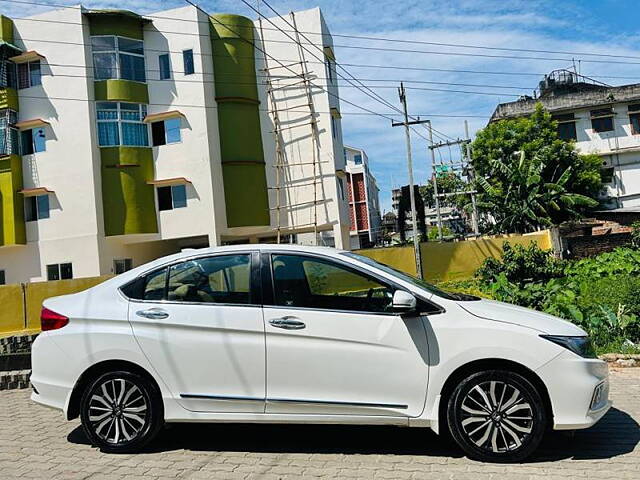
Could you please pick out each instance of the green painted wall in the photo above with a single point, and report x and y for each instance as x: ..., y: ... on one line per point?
x: 6, y: 29
x: 116, y: 22
x: 128, y: 201
x: 121, y: 91
x: 12, y: 227
x: 9, y: 98
x: 243, y: 167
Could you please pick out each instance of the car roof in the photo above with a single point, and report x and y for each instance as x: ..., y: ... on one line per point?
x: 261, y: 247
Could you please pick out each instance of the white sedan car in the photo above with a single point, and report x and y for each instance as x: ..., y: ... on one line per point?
x: 291, y: 334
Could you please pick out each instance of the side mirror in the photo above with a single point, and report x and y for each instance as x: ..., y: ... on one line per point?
x: 403, y: 302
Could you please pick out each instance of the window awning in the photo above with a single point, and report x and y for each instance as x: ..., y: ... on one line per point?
x: 32, y: 192
x: 33, y: 123
x: 169, y: 181
x: 30, y: 56
x: 158, y: 117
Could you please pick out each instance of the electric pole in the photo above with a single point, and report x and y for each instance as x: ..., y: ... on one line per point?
x: 412, y: 196
x: 471, y: 178
x: 434, y: 172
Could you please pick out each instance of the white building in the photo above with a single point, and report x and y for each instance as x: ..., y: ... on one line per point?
x: 167, y: 142
x: 601, y: 119
x: 364, y: 199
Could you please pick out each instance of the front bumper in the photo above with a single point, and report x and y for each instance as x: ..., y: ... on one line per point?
x: 572, y: 383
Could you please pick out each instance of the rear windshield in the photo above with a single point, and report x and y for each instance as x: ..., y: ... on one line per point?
x: 460, y: 297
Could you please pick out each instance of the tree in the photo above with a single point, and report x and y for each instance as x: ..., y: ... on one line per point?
x: 405, y: 206
x: 528, y: 178
x: 447, y: 182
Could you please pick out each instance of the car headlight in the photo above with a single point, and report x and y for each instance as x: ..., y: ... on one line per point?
x: 579, y: 345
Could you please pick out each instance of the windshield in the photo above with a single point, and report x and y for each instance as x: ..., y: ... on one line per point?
x: 411, y: 279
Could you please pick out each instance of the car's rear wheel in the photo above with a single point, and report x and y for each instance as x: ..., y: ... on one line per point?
x: 121, y: 411
x: 496, y: 416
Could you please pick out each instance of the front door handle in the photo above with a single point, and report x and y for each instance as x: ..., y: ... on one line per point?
x: 288, y: 323
x: 153, y: 314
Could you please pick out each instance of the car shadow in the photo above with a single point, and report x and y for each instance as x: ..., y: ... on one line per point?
x: 616, y: 434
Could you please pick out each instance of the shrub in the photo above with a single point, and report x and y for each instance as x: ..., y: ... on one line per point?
x: 521, y: 265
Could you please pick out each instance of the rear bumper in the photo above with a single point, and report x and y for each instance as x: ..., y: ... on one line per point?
x: 572, y: 383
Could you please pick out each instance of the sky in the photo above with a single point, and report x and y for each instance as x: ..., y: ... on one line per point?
x: 580, y: 28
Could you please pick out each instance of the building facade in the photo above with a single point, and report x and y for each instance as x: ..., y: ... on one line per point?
x: 124, y: 138
x: 601, y: 119
x: 364, y: 199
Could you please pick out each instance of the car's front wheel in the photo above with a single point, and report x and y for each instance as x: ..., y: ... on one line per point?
x: 121, y: 411
x: 496, y: 416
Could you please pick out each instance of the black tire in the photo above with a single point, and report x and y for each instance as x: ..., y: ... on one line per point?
x: 121, y: 411
x: 504, y: 423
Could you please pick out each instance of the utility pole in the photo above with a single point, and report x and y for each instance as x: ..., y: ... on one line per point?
x: 471, y: 177
x: 412, y: 197
x: 435, y: 182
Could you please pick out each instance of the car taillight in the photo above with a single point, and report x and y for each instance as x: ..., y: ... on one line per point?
x: 50, y: 320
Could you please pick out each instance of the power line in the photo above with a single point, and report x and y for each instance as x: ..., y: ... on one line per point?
x: 368, y: 37
x: 360, y: 47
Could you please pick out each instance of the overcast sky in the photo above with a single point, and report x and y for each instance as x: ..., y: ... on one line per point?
x: 579, y: 27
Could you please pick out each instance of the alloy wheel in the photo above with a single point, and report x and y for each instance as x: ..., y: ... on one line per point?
x: 496, y: 416
x: 117, y: 411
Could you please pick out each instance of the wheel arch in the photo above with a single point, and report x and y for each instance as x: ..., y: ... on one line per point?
x: 489, y: 364
x: 93, y: 372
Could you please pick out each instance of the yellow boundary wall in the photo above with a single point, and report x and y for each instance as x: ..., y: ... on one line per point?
x: 20, y: 304
x: 453, y: 260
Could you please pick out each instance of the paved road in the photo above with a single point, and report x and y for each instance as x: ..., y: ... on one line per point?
x: 35, y: 442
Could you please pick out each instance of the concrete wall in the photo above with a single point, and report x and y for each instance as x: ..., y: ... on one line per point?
x: 452, y: 260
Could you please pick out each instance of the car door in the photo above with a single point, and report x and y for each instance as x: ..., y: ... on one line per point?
x: 333, y: 345
x: 199, y: 322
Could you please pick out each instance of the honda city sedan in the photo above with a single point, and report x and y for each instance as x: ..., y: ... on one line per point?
x: 293, y: 334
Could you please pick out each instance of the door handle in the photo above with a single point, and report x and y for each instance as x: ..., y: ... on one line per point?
x: 288, y: 323
x: 153, y: 314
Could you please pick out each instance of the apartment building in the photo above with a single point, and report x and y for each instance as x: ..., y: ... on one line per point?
x: 364, y: 201
x: 124, y: 138
x: 601, y: 119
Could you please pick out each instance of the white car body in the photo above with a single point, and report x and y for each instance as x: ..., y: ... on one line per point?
x: 227, y: 363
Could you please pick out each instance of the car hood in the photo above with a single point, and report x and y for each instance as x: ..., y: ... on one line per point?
x: 525, y: 317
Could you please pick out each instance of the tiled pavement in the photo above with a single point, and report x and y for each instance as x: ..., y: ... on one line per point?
x: 35, y: 442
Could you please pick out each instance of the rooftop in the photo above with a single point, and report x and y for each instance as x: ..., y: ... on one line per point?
x: 565, y: 90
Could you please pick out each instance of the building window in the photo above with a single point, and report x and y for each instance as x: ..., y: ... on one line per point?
x: 165, y: 68
x: 33, y: 141
x: 8, y: 74
x: 174, y: 196
x: 602, y: 120
x: 167, y: 131
x: 607, y: 174
x: 59, y: 271
x: 118, y: 57
x: 187, y: 57
x: 36, y: 208
x: 122, y: 265
x: 330, y: 70
x: 634, y: 118
x: 121, y: 124
x: 357, y: 159
x: 334, y: 127
x: 341, y: 188
x: 3, y: 279
x: 8, y: 133
x: 566, y: 126
x: 29, y: 74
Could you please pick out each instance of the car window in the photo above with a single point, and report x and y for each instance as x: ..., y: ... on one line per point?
x: 154, y: 285
x: 219, y: 279
x: 461, y: 297
x: 309, y: 282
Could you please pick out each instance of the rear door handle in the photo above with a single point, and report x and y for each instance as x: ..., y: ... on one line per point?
x: 153, y: 314
x: 288, y: 323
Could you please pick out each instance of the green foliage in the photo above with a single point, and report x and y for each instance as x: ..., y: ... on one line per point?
x: 528, y: 177
x: 432, y: 233
x: 447, y: 182
x: 635, y: 235
x: 600, y: 294
x: 521, y: 265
